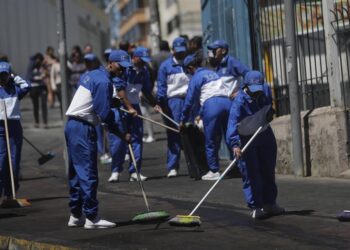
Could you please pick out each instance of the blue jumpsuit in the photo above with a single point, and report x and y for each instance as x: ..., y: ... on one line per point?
x: 90, y: 106
x: 14, y: 91
x: 258, y: 162
x: 207, y: 88
x: 172, y: 87
x: 136, y: 81
x: 230, y: 69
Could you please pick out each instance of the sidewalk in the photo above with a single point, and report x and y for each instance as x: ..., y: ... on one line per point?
x: 311, y: 203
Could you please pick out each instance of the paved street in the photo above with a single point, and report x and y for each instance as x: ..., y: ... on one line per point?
x: 311, y: 204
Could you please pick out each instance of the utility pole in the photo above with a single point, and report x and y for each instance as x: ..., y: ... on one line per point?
x: 62, y: 51
x: 292, y: 78
x: 154, y: 16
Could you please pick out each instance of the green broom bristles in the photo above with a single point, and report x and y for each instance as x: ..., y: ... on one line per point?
x: 185, y: 221
x: 150, y: 216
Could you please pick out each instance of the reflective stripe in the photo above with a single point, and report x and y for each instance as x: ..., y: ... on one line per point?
x: 213, y: 88
x: 177, y: 84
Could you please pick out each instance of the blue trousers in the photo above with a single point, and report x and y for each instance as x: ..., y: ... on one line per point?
x: 257, y: 167
x: 214, y: 114
x: 118, y: 147
x: 81, y: 142
x: 16, y: 137
x: 99, y: 131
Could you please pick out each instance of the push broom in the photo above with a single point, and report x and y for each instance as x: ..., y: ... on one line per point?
x: 190, y: 220
x: 149, y: 216
x: 44, y: 157
x: 12, y: 202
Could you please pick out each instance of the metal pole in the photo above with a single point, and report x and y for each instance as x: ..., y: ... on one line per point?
x: 62, y: 51
x: 154, y: 19
x: 292, y: 78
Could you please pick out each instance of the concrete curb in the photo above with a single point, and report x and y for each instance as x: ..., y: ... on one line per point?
x: 11, y: 243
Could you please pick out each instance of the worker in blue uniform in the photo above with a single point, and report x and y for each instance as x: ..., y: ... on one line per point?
x: 257, y: 164
x: 12, y: 90
x: 91, y: 105
x: 172, y: 87
x: 207, y: 89
x: 137, y: 80
x: 230, y: 69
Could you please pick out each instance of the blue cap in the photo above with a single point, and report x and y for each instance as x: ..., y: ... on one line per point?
x: 179, y: 45
x: 90, y: 57
x: 218, y: 44
x: 5, y: 67
x: 143, y: 53
x: 189, y: 59
x: 254, y: 80
x: 121, y: 57
x: 107, y: 51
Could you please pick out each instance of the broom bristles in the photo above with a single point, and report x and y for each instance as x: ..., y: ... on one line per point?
x: 185, y: 221
x: 15, y: 203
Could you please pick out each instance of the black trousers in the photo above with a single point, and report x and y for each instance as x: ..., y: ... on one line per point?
x: 39, y: 94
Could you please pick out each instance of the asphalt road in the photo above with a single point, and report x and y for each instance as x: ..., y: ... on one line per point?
x: 310, y: 221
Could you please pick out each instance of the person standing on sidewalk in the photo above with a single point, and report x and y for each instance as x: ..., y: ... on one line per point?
x: 91, y: 105
x: 12, y: 90
x: 172, y: 87
x: 207, y: 89
x: 257, y: 164
x: 137, y: 81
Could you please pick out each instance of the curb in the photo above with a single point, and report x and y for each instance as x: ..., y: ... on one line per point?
x: 11, y: 243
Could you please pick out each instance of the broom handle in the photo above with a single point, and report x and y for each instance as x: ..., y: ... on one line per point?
x: 138, y: 177
x: 168, y: 117
x: 9, y: 152
x: 35, y: 148
x: 226, y: 170
x: 150, y: 120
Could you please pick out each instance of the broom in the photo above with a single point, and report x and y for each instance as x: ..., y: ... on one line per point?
x: 148, y: 216
x: 44, y: 157
x: 190, y: 220
x: 12, y: 202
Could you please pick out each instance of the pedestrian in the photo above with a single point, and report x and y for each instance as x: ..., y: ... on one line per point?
x: 38, y: 93
x: 195, y: 45
x: 137, y: 80
x: 12, y: 90
x: 55, y: 81
x: 230, y: 69
x: 49, y: 59
x: 76, y: 68
x: 172, y: 87
x: 91, y: 104
x: 257, y: 164
x: 207, y: 89
x: 88, y: 49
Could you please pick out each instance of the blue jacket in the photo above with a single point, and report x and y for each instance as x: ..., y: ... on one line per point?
x: 204, y: 84
x: 243, y: 106
x: 172, y: 81
x: 92, y: 100
x: 12, y: 93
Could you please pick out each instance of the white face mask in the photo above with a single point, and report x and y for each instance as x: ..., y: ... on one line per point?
x: 210, y: 53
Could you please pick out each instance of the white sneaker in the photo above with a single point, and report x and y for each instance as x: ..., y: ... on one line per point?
x: 149, y: 139
x: 172, y: 173
x: 258, y: 213
x: 76, y: 222
x: 274, y: 209
x: 127, y: 157
x: 133, y: 177
x: 98, y: 223
x: 114, y: 177
x: 211, y: 176
x: 105, y: 159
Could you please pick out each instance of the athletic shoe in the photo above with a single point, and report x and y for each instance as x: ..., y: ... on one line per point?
x: 172, y: 173
x: 114, y: 177
x: 211, y: 176
x: 149, y: 139
x: 258, y: 214
x: 76, y: 222
x: 133, y: 177
x: 105, y: 159
x: 98, y: 224
x: 274, y: 209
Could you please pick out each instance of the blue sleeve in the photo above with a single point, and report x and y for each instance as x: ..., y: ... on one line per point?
x: 119, y: 83
x: 101, y: 101
x: 22, y: 86
x: 232, y: 136
x: 239, y: 68
x: 191, y: 99
x: 162, y: 87
x: 147, y: 86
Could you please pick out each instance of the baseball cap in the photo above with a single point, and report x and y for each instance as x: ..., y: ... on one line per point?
x: 5, y: 67
x: 90, y: 57
x: 254, y: 80
x: 121, y: 57
x: 107, y: 51
x: 143, y: 53
x: 218, y: 44
x: 179, y: 44
x: 188, y: 60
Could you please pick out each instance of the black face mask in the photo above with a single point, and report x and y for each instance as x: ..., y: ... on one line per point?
x: 4, y: 78
x: 213, y: 62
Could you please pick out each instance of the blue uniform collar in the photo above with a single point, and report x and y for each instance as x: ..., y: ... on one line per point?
x: 175, y: 62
